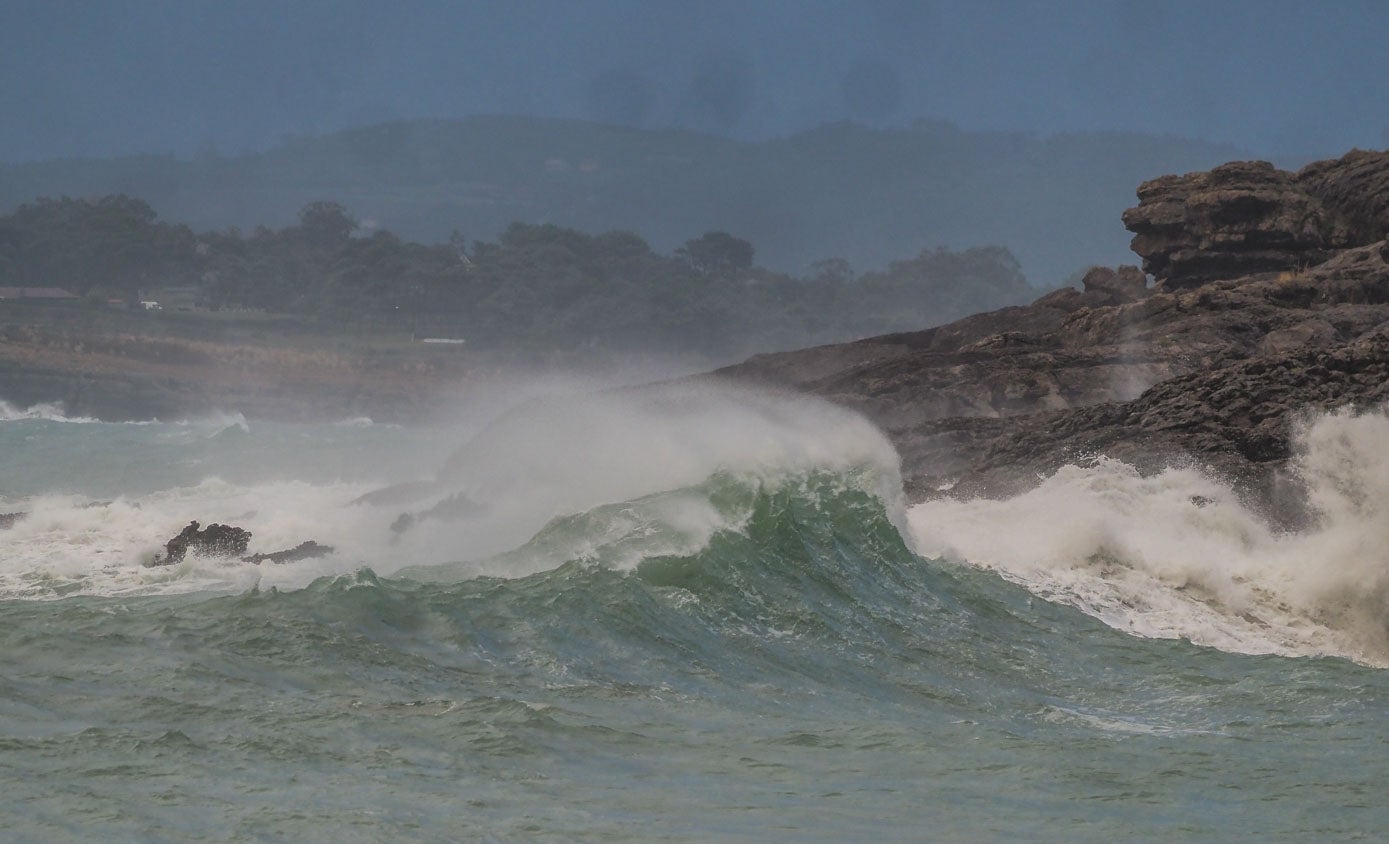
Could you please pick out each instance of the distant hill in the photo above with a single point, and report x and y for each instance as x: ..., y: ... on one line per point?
x: 842, y: 190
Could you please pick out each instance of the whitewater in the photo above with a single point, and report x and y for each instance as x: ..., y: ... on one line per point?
x: 682, y: 613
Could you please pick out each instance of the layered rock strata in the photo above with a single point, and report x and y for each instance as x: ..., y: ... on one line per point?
x: 1271, y: 301
x: 1249, y: 217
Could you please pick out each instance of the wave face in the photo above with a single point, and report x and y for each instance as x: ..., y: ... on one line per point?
x: 749, y: 643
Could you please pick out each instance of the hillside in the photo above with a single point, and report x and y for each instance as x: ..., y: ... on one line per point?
x: 842, y: 190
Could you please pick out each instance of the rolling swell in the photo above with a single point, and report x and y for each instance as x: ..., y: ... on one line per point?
x: 800, y: 670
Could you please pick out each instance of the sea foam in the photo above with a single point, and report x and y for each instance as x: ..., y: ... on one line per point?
x: 1178, y: 554
x: 50, y: 412
x: 624, y: 468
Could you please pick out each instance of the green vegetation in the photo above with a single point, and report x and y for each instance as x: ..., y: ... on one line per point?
x: 867, y: 195
x: 538, y: 291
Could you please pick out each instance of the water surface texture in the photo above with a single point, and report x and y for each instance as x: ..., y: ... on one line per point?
x: 693, y: 617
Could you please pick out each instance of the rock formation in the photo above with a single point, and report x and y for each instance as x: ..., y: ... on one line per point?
x: 226, y: 541
x: 211, y: 541
x: 1248, y: 217
x: 303, y: 551
x: 1272, y: 300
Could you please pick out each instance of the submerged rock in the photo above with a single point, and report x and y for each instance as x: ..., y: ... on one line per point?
x: 303, y: 551
x: 8, y: 520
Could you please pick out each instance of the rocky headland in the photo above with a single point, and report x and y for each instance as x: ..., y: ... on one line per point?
x: 1269, y: 301
x: 1263, y: 297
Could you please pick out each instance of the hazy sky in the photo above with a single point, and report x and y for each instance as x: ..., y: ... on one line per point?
x: 1278, y: 77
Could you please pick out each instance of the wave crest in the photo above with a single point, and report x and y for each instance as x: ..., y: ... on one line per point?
x: 48, y: 412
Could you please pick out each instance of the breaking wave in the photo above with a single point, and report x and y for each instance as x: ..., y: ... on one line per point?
x: 1178, y: 555
x: 49, y: 412
x: 621, y: 479
x: 616, y: 478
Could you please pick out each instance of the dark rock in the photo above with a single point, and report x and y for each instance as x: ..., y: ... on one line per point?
x: 212, y: 541
x: 1115, y: 287
x: 1355, y: 188
x: 1241, y: 218
x: 1273, y: 301
x: 1248, y: 217
x: 227, y: 541
x: 8, y: 520
x: 303, y: 551
x: 450, y: 509
x: 402, y: 523
x: 402, y: 493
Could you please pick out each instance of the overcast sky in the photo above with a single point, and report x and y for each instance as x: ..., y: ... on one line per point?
x: 1290, y: 78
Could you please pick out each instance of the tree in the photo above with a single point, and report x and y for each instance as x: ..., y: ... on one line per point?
x: 716, y: 253
x: 831, y: 271
x: 114, y: 242
x: 326, y: 224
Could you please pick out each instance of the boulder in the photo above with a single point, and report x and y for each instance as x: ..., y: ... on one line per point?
x: 1115, y: 287
x: 226, y: 541
x: 212, y: 541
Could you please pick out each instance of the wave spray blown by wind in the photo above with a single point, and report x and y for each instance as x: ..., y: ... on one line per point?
x: 1179, y: 555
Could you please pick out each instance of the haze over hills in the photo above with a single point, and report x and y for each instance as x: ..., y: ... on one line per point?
x: 841, y: 190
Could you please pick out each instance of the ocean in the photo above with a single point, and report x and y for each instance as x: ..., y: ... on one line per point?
x: 680, y: 614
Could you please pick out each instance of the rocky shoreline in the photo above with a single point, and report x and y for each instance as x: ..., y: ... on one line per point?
x: 1270, y: 302
x: 131, y: 367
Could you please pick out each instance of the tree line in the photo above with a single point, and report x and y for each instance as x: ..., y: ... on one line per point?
x: 535, y: 290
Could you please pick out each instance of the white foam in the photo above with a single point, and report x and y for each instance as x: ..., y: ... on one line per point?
x: 568, y: 455
x: 50, y: 412
x: 68, y: 544
x: 1178, y: 555
x: 552, y: 458
x: 359, y: 422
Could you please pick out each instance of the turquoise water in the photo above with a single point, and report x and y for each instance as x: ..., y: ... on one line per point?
x: 756, y: 655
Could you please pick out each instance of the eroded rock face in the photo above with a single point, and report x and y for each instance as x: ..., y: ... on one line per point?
x: 1355, y: 187
x: 1248, y: 217
x: 1241, y: 218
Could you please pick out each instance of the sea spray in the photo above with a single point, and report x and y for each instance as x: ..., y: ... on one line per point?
x: 623, y: 468
x: 560, y: 456
x: 1177, y: 554
x: 53, y: 412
